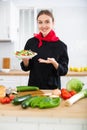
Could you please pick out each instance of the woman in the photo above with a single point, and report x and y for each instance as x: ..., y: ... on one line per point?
x: 51, y: 60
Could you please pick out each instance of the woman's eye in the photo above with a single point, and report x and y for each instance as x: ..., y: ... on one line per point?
x: 39, y: 22
x: 47, y: 21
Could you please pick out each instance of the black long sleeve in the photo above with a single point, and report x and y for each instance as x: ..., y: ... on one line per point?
x: 45, y: 76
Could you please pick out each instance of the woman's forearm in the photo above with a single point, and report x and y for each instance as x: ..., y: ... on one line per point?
x: 55, y: 64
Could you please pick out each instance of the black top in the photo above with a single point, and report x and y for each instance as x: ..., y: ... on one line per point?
x: 45, y: 76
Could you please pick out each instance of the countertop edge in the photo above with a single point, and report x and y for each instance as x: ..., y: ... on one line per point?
x: 26, y: 73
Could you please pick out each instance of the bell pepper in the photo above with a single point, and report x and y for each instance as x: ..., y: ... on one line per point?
x: 48, y: 102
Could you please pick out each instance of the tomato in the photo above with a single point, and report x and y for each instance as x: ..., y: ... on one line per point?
x: 0, y: 99
x: 11, y: 97
x: 65, y: 94
x: 17, y: 52
x: 72, y: 92
x: 5, y: 100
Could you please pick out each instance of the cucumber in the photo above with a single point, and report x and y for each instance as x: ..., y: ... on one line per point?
x: 26, y: 88
x: 19, y: 99
x: 26, y: 103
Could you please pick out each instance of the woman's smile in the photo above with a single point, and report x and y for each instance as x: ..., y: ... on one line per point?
x: 45, y: 24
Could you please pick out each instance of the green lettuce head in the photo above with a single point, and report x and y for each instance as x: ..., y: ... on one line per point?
x: 74, y: 84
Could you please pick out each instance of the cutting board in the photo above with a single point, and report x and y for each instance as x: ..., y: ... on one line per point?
x: 33, y: 93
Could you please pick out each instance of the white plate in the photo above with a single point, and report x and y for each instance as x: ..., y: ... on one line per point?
x: 24, y: 57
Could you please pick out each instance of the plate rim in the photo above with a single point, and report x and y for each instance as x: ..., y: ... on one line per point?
x: 21, y: 57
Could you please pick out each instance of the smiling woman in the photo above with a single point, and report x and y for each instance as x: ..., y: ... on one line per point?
x: 51, y: 60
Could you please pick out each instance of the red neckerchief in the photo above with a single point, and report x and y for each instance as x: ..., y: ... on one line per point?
x: 50, y: 37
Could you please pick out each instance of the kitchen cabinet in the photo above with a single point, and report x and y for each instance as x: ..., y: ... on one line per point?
x: 24, y: 80
x: 8, y: 23
x: 9, y: 81
x: 13, y: 81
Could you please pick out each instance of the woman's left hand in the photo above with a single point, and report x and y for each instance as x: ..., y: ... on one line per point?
x: 49, y: 61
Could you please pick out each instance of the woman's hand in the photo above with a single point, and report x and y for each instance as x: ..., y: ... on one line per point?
x: 25, y: 61
x: 49, y: 61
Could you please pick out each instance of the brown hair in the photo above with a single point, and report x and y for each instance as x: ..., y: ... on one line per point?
x: 46, y: 12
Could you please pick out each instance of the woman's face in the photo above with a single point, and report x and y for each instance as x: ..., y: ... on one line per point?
x: 45, y: 24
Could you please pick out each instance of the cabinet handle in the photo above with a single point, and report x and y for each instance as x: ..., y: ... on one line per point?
x: 8, y: 31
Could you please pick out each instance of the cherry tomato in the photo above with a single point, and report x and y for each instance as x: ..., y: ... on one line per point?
x: 65, y: 94
x: 5, y: 100
x: 11, y: 97
x: 17, y: 52
x: 72, y: 92
x: 0, y: 99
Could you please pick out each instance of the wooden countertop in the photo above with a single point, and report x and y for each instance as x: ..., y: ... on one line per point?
x: 23, y: 73
x: 15, y: 73
x: 77, y: 110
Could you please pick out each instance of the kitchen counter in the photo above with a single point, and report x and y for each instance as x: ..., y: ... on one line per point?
x: 15, y: 73
x: 23, y: 73
x: 61, y: 117
x: 77, y: 110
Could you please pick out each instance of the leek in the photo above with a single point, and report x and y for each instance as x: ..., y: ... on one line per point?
x: 76, y: 97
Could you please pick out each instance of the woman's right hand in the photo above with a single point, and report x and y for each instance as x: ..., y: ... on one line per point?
x: 25, y: 61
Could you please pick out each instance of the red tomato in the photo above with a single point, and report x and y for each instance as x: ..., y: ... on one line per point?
x: 8, y: 100
x: 17, y: 52
x: 5, y: 100
x: 11, y: 97
x: 65, y: 94
x: 72, y: 92
x: 0, y: 99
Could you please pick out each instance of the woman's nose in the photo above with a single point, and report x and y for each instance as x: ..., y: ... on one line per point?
x: 44, y: 25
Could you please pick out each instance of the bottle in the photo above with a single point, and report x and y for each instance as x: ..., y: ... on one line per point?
x: 6, y: 63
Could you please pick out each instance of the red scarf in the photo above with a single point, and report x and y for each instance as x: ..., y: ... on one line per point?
x: 50, y: 37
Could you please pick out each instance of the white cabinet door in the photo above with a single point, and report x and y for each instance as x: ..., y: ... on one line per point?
x: 24, y: 80
x: 8, y: 21
x: 13, y: 81
x: 10, y: 81
x: 4, y: 20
